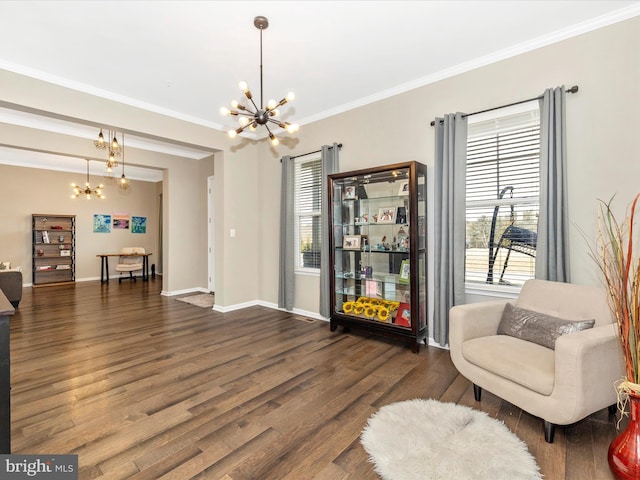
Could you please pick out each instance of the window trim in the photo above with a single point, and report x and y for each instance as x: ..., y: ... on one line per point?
x: 498, y: 290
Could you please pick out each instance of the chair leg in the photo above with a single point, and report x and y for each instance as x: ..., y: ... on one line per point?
x: 549, y: 430
x: 477, y: 392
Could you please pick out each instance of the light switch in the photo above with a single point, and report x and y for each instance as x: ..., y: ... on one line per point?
x: 232, y: 232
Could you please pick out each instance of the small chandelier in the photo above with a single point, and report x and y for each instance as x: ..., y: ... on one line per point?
x: 113, y: 148
x: 252, y: 117
x: 87, y: 190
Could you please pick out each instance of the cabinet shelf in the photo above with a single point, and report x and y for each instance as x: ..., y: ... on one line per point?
x: 378, y: 251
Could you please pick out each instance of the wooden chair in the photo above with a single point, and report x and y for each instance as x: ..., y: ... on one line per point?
x: 130, y: 262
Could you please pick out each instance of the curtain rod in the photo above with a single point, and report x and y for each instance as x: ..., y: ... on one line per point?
x: 310, y: 153
x: 573, y: 89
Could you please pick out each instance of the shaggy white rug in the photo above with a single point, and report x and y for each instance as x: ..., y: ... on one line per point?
x: 204, y: 300
x: 431, y: 440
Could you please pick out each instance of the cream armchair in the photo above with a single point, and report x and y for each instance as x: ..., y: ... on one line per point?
x: 561, y: 386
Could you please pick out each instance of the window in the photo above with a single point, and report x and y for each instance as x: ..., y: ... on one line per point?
x: 307, y: 208
x: 503, y: 190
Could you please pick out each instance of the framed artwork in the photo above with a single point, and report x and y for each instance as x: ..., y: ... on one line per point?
x: 403, y: 317
x: 350, y: 192
x: 121, y: 220
x: 101, y: 223
x: 351, y: 242
x: 404, y: 188
x: 387, y: 215
x: 138, y: 224
x: 404, y: 275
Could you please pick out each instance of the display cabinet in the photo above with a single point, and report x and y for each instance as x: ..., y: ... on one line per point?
x: 379, y: 251
x: 53, y: 249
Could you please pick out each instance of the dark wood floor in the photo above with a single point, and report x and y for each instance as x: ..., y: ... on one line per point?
x: 142, y: 386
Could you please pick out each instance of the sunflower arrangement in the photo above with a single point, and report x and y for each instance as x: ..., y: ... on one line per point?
x: 371, y: 308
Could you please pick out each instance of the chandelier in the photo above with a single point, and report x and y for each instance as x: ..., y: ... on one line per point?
x: 87, y: 190
x: 124, y: 184
x: 251, y: 116
x: 113, y: 148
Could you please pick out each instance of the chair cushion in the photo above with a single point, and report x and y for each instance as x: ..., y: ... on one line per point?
x: 128, y: 267
x: 538, y: 327
x: 526, y: 363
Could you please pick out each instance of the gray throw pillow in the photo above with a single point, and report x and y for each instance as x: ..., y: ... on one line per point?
x: 538, y: 327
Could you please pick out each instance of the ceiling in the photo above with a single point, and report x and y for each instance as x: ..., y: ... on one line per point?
x: 185, y: 58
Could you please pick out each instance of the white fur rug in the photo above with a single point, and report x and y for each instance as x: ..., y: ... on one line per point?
x: 431, y: 440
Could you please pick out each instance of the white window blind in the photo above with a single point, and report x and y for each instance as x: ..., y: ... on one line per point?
x: 502, y: 195
x: 307, y: 208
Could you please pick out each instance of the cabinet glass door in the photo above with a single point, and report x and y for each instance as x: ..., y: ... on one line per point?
x: 371, y: 233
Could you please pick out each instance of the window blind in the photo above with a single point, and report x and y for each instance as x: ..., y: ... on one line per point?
x: 307, y: 208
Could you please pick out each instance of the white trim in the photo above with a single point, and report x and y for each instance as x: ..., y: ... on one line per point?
x: 498, y: 291
x: 238, y: 306
x: 524, y: 47
x: 186, y: 290
x: 549, y: 39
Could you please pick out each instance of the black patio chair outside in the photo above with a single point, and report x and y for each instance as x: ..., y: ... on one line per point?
x: 513, y: 238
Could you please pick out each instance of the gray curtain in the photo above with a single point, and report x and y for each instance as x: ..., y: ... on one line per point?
x: 552, y: 252
x: 330, y: 164
x: 286, y: 284
x: 450, y: 222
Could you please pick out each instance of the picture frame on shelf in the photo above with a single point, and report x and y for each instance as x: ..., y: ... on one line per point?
x: 403, y: 317
x: 351, y: 242
x: 405, y: 271
x: 350, y: 192
x: 387, y: 215
x: 404, y: 188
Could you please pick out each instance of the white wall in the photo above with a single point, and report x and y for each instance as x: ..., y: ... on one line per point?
x: 603, y: 148
x: 184, y: 179
x: 602, y: 133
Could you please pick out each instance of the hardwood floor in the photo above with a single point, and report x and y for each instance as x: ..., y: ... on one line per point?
x: 142, y: 386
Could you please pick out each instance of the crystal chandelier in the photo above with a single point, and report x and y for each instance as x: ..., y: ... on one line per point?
x: 87, y: 190
x: 251, y: 116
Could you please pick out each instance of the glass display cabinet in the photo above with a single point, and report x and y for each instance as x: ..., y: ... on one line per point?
x: 379, y: 251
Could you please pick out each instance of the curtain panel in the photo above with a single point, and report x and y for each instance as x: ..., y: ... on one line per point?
x: 552, y: 253
x: 286, y: 283
x: 330, y: 164
x: 450, y: 219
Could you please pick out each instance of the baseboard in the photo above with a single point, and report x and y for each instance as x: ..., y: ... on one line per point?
x: 182, y: 292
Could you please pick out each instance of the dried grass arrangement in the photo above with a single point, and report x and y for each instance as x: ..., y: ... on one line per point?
x: 618, y: 258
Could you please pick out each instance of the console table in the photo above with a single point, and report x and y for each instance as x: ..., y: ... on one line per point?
x: 6, y: 309
x: 104, y: 267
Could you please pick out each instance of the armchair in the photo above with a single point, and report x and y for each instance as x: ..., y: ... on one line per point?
x: 561, y: 385
x: 130, y: 261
